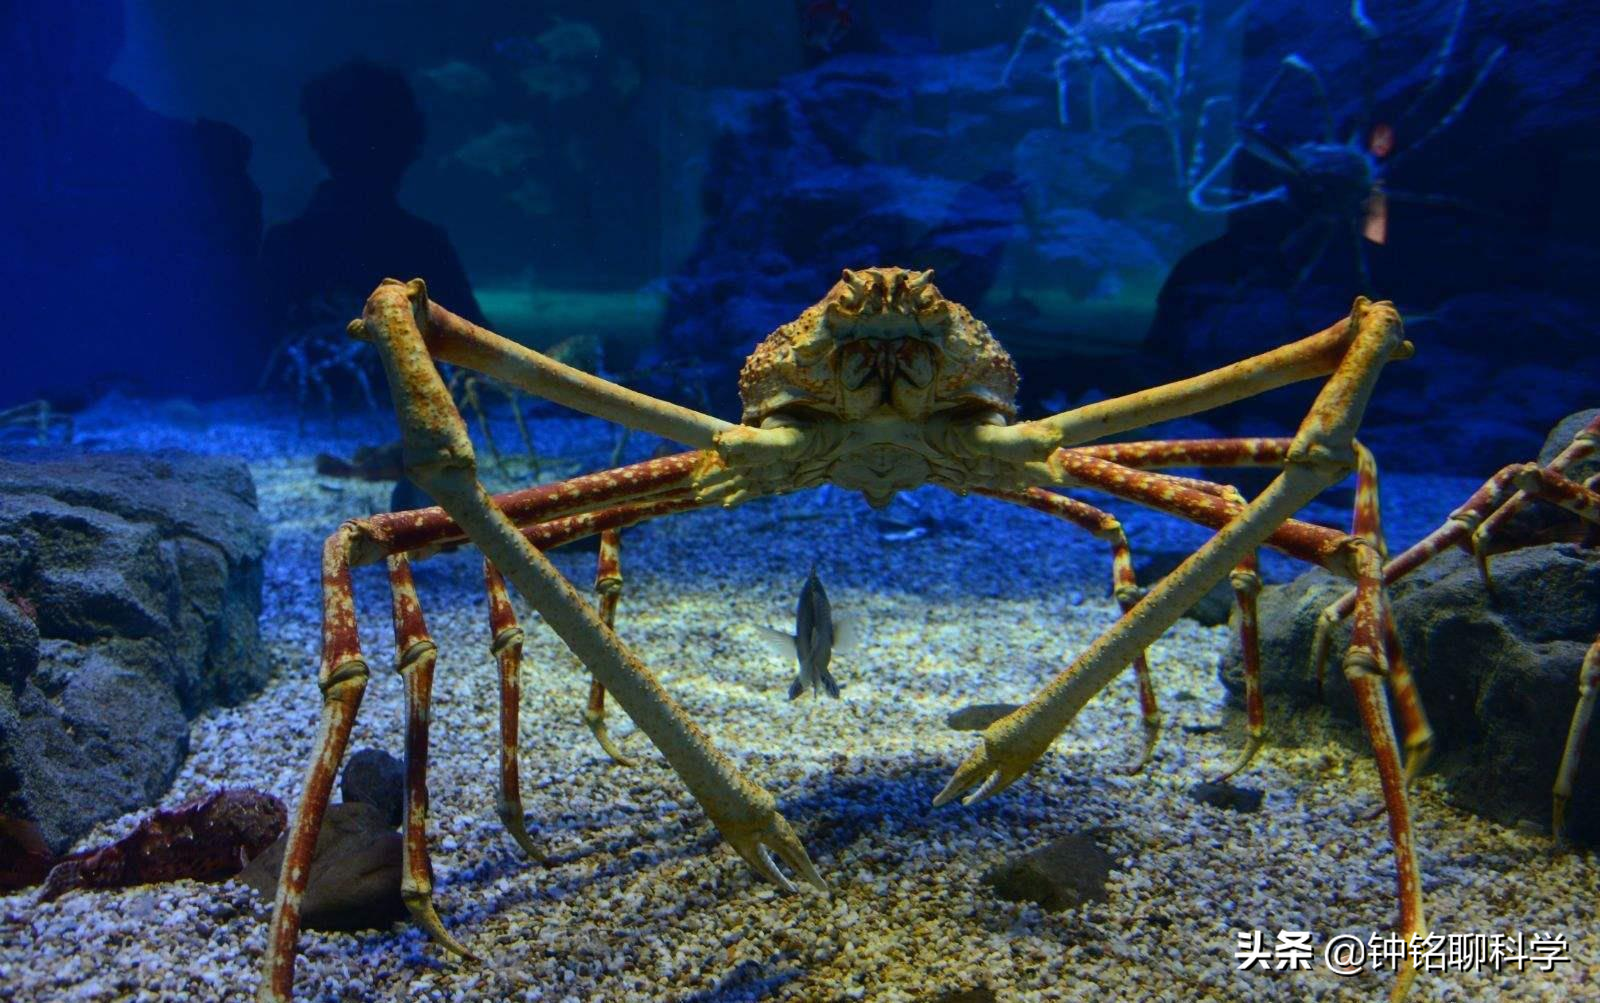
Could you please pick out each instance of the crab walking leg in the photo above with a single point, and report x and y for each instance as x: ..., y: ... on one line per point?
x: 1322, y: 353
x: 342, y: 678
x: 608, y: 585
x: 1366, y: 524
x: 1456, y: 528
x: 456, y: 340
x: 1015, y: 742
x: 1365, y: 665
x: 439, y: 457
x: 1124, y: 586
x: 1584, y: 443
x: 1576, y: 498
x: 1585, y: 501
x: 507, y: 648
x: 1245, y: 580
x: 1158, y: 453
x: 1246, y: 583
x: 1320, y: 455
x: 639, y: 484
x: 415, y: 654
x: 1418, y: 734
x: 1588, y: 687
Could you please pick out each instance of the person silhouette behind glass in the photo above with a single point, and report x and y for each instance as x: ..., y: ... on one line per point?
x: 364, y: 124
x: 129, y: 239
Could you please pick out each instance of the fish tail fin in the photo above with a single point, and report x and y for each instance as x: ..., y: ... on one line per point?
x: 798, y: 686
x: 829, y: 684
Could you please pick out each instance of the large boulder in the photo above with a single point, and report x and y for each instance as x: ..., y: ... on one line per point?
x: 1497, y: 670
x: 130, y: 586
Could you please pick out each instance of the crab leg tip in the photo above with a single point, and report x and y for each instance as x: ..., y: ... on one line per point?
x: 1252, y: 746
x: 422, y: 911
x: 597, y: 726
x: 951, y: 790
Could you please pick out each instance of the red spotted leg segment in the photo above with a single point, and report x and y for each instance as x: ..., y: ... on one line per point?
x: 415, y: 655
x: 342, y: 677
x: 506, y: 645
x: 608, y: 588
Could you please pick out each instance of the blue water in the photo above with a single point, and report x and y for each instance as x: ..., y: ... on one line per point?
x: 197, y: 198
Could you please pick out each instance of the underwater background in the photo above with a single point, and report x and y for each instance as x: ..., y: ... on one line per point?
x: 196, y: 198
x: 1125, y: 193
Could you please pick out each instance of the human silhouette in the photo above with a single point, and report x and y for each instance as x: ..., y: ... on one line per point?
x: 128, y: 239
x: 363, y: 121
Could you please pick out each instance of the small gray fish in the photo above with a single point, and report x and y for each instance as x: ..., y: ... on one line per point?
x: 817, y: 635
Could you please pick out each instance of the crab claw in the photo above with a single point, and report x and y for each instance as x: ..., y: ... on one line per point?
x: 756, y: 845
x: 988, y: 764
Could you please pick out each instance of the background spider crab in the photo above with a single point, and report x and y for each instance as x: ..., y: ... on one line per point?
x: 882, y: 386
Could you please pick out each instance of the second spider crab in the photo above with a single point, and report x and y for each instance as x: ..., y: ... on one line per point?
x: 882, y: 386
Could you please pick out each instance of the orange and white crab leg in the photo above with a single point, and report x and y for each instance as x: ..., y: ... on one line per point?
x: 415, y: 654
x: 1584, y: 443
x: 1124, y: 586
x: 608, y: 586
x: 1418, y: 734
x: 506, y: 644
x: 343, y: 672
x: 1317, y: 355
x: 1365, y: 666
x: 1319, y: 456
x: 451, y: 338
x: 342, y: 677
x: 1577, y: 731
x: 439, y: 457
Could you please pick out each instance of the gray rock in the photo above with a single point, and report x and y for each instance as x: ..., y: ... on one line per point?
x: 131, y: 587
x: 354, y: 883
x: 1497, y: 671
x: 1059, y: 875
x: 374, y: 777
x: 1227, y: 796
x: 19, y: 641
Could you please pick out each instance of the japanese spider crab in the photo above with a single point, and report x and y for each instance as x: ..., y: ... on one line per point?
x: 882, y: 386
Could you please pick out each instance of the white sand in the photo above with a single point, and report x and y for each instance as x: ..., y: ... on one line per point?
x: 644, y: 902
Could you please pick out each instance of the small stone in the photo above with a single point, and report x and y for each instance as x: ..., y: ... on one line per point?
x: 1060, y: 875
x: 978, y: 716
x: 979, y: 994
x: 355, y: 872
x: 374, y: 777
x: 1244, y: 799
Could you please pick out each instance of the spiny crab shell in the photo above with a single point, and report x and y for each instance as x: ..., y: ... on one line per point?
x: 884, y: 341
